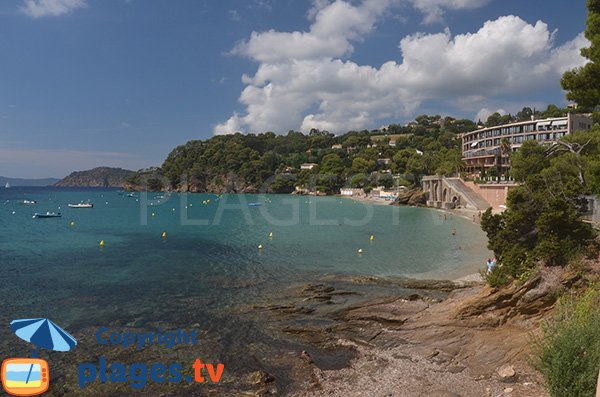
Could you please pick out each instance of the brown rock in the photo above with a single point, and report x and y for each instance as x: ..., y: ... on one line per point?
x: 456, y: 369
x: 306, y: 357
x: 261, y: 377
x: 414, y: 197
x: 507, y: 373
x: 443, y: 393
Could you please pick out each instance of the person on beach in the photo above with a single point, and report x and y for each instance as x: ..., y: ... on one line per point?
x: 490, y: 265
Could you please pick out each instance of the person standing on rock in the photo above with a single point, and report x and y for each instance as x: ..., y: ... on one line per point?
x: 490, y: 265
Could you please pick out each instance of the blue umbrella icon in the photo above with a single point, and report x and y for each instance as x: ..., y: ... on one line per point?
x: 43, y: 333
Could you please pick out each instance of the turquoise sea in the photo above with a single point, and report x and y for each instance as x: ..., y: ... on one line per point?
x: 209, y: 264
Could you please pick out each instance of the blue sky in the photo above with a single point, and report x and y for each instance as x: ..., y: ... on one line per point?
x: 85, y: 83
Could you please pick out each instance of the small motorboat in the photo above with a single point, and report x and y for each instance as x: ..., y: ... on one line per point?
x: 29, y: 202
x: 131, y: 195
x: 81, y: 205
x: 47, y: 215
x: 254, y: 204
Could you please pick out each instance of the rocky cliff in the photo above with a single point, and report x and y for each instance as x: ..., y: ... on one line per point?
x: 413, y: 197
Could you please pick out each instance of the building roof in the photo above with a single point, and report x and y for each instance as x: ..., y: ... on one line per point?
x: 544, y: 122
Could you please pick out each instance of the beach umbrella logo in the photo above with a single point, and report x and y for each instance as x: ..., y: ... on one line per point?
x: 43, y: 333
x: 31, y: 376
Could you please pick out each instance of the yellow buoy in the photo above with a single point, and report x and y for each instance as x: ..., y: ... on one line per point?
x: 153, y: 214
x: 260, y: 246
x: 72, y: 224
x: 164, y: 235
x: 101, y: 243
x: 271, y: 235
x: 372, y: 237
x: 360, y: 251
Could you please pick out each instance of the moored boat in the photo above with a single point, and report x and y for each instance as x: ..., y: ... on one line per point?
x: 47, y: 215
x: 81, y: 205
x: 29, y: 202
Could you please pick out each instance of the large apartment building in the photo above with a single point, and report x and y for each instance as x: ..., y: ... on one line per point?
x: 482, y: 148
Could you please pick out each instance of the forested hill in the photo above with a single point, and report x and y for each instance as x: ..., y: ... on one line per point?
x: 97, y: 177
x: 244, y: 163
x: 273, y: 163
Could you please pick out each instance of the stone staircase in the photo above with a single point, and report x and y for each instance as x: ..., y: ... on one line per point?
x: 473, y: 200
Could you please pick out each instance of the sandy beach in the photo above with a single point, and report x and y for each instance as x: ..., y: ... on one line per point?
x: 370, y: 200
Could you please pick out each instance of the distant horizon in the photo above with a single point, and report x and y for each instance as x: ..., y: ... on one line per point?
x: 3, y: 177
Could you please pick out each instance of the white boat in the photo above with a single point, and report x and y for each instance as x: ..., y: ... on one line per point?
x: 29, y: 202
x: 7, y: 185
x: 81, y: 205
x: 47, y: 215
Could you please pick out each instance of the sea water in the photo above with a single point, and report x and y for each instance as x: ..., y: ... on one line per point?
x: 209, y: 262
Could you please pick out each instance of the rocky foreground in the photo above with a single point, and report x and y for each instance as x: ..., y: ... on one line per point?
x: 443, y: 339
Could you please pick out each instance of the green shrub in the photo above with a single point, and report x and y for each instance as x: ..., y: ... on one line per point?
x: 568, y: 355
x: 496, y: 278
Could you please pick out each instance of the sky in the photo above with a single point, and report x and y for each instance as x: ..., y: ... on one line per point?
x: 86, y: 83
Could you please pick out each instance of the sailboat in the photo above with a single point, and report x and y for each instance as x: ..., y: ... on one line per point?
x: 7, y: 185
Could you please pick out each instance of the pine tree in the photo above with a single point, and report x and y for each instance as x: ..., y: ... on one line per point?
x: 583, y: 83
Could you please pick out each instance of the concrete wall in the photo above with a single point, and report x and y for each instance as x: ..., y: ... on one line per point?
x: 494, y: 194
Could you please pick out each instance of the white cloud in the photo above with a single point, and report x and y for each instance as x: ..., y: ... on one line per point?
x: 484, y: 113
x: 334, y: 26
x: 264, y: 4
x: 46, y: 8
x: 231, y: 126
x: 301, y: 82
x: 434, y: 9
x: 234, y: 15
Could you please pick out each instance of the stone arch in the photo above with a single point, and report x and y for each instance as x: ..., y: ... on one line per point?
x: 445, y: 195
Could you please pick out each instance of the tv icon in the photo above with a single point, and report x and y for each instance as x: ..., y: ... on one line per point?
x: 25, y: 376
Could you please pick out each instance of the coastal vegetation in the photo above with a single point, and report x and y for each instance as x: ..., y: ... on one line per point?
x: 569, y: 354
x: 543, y: 223
x: 543, y: 227
x: 581, y: 83
x: 389, y: 156
x: 96, y: 177
x: 273, y: 163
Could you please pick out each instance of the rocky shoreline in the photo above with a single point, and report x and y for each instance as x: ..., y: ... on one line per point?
x: 433, y: 338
